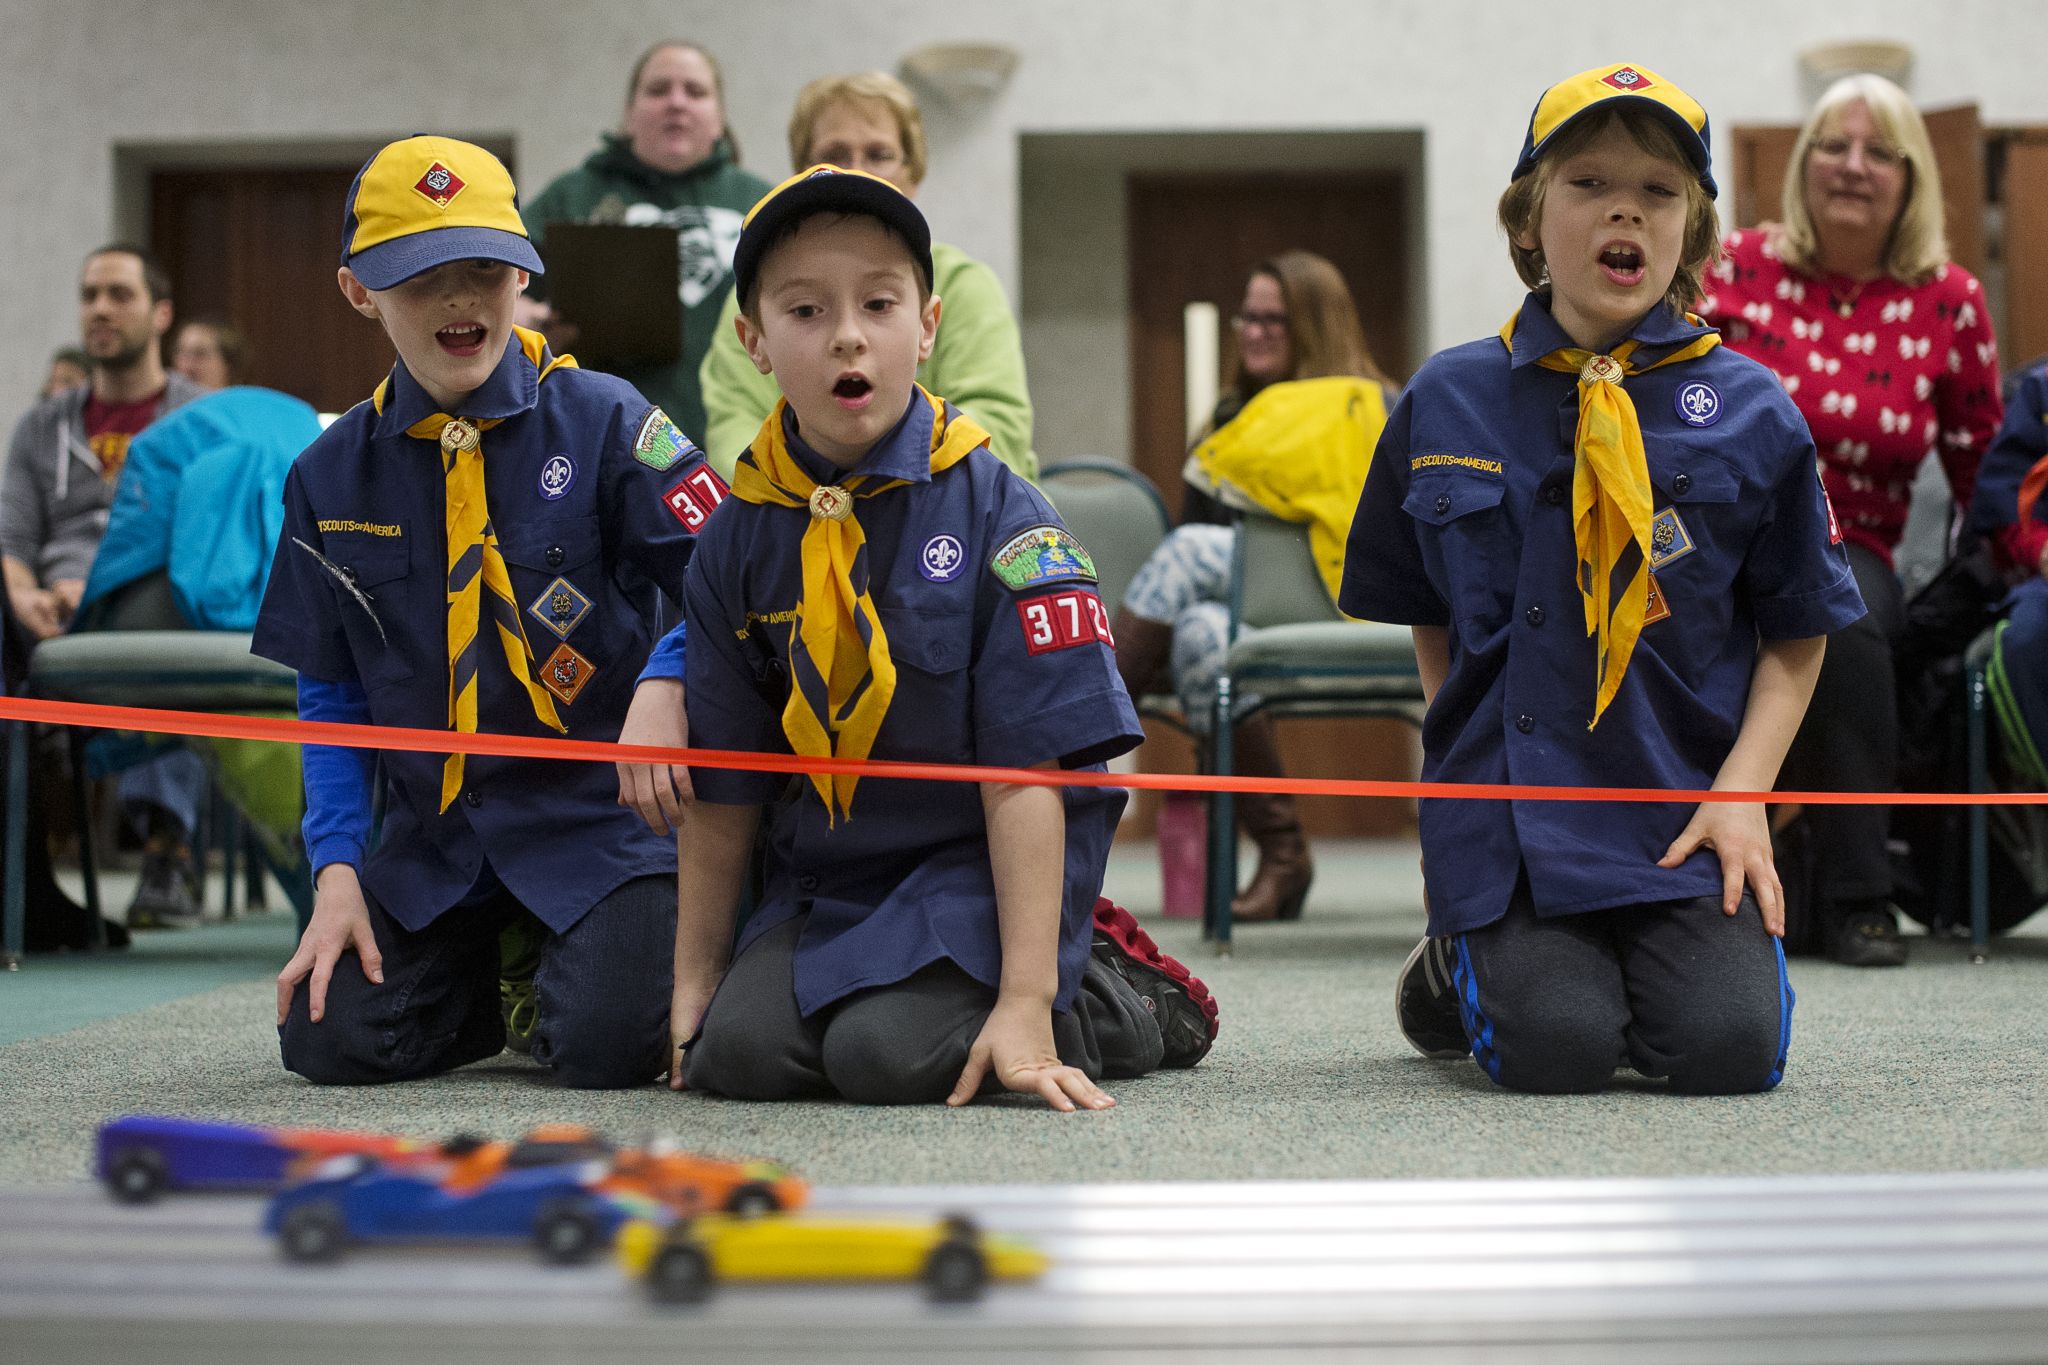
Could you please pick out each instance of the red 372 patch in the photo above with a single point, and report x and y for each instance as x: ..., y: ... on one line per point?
x: 1063, y: 620
x: 693, y: 498
x: 1834, y: 525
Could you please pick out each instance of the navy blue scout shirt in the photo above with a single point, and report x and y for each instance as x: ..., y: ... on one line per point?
x: 984, y: 674
x: 1466, y: 522
x: 595, y: 498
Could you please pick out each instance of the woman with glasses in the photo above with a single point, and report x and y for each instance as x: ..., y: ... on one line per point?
x: 1290, y: 437
x: 1886, y: 346
x: 869, y: 122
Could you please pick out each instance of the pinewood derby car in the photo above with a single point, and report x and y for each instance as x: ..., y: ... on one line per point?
x: 954, y: 1260
x: 141, y: 1157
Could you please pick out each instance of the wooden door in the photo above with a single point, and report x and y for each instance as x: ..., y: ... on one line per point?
x: 258, y: 247
x: 2025, y: 186
x: 1194, y: 238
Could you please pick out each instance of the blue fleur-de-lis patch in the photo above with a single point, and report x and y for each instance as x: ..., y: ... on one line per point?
x: 561, y: 607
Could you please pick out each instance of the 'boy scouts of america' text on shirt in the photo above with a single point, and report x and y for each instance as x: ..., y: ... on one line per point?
x: 595, y: 498
x: 1466, y: 522
x: 985, y: 673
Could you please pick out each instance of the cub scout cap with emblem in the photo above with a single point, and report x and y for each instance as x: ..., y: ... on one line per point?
x: 827, y: 189
x: 425, y: 201
x: 1609, y: 88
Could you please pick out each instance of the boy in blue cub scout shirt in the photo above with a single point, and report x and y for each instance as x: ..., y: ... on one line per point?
x: 879, y: 585
x: 1610, y: 538
x: 479, y: 547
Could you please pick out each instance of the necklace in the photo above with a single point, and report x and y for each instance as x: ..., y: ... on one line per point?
x: 1845, y: 300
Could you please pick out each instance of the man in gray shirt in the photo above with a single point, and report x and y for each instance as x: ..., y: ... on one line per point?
x: 56, y: 491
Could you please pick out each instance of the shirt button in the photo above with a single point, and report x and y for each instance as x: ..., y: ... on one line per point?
x: 1443, y: 503
x: 1681, y: 483
x: 807, y: 883
x: 555, y: 553
x: 473, y: 798
x: 1525, y: 723
x: 1553, y: 493
x: 1534, y: 616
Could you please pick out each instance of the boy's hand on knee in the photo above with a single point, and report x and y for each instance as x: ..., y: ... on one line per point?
x: 1017, y: 1044
x: 659, y: 792
x: 341, y: 921
x: 1740, y: 835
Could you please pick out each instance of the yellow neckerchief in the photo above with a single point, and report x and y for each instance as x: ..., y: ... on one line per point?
x: 837, y: 643
x: 1298, y: 450
x: 475, y: 563
x: 1611, y: 496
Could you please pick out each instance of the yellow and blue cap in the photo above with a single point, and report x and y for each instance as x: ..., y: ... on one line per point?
x: 827, y: 189
x: 425, y: 201
x: 1598, y: 91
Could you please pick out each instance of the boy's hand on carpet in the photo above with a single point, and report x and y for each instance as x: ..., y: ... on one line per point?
x: 341, y: 921
x: 1739, y: 832
x: 1016, y: 1043
x: 685, y: 1013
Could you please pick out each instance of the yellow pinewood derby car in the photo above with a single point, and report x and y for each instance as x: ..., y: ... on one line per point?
x: 955, y: 1260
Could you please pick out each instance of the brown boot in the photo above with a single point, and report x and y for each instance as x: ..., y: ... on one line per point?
x: 1142, y: 649
x: 1281, y: 884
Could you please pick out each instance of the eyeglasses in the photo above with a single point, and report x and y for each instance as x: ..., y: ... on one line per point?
x: 1879, y: 155
x: 1270, y: 322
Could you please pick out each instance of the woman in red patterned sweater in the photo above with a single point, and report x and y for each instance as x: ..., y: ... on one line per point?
x: 1886, y: 346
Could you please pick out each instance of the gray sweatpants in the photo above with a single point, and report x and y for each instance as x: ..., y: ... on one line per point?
x: 1676, y: 990
x: 904, y: 1043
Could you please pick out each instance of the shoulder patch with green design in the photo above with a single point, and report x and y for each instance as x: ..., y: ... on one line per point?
x: 661, y: 442
x: 1043, y: 554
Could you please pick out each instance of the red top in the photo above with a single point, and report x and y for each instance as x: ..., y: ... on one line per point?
x: 1883, y: 372
x: 110, y: 426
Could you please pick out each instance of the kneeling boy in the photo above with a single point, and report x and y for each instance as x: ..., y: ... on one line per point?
x: 879, y: 585
x: 477, y: 547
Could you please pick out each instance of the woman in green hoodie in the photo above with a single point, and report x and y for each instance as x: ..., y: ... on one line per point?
x: 671, y: 164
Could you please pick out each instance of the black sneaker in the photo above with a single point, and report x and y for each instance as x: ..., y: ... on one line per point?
x: 1182, y: 1005
x: 1426, y: 1003
x: 1867, y: 937
x: 168, y: 897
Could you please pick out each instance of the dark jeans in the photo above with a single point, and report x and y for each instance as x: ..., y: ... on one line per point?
x: 1848, y: 742
x: 904, y: 1043
x: 602, y: 992
x: 1676, y: 990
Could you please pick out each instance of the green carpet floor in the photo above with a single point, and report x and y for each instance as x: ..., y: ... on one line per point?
x: 1938, y: 1066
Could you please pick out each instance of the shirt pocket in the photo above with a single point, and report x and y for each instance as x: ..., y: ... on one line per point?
x: 568, y: 548
x: 377, y: 567
x: 1461, y: 509
x: 1700, y: 528
x: 928, y: 717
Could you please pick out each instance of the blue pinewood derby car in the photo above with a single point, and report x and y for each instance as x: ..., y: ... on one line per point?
x: 142, y: 1156
x: 562, y: 1210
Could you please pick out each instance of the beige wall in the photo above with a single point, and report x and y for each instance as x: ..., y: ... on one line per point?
x: 80, y: 80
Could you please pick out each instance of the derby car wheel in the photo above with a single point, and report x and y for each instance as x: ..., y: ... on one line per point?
x: 136, y: 1175
x: 566, y: 1233
x: 956, y: 1272
x: 752, y: 1198
x: 313, y: 1232
x: 681, y: 1274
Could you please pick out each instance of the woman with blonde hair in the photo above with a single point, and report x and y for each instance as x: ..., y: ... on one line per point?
x: 869, y: 121
x: 1290, y: 437
x: 1885, y: 345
